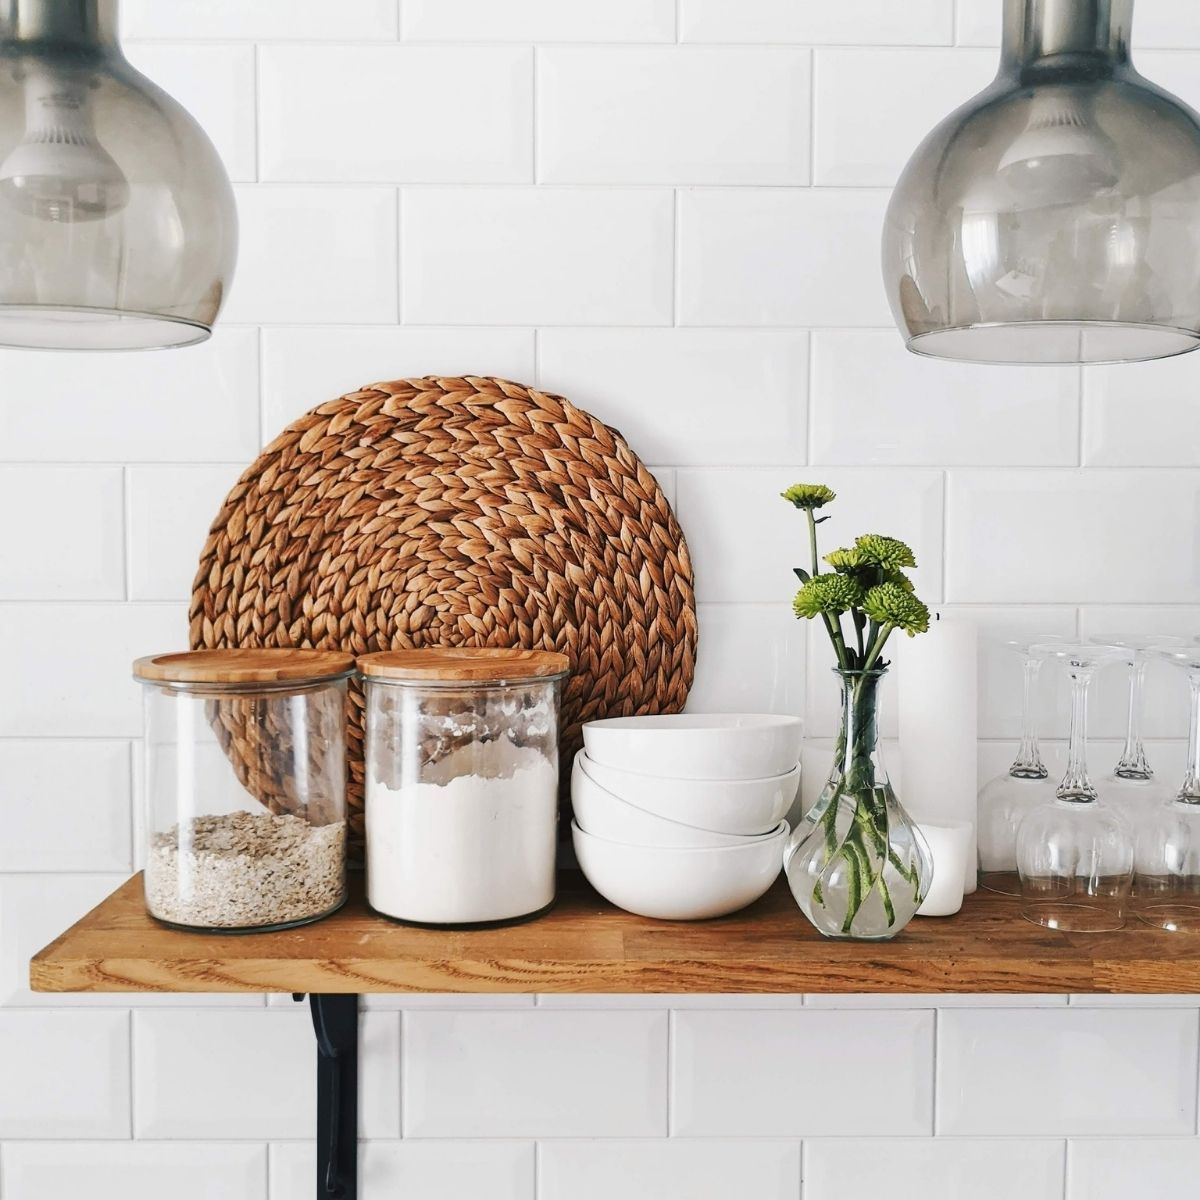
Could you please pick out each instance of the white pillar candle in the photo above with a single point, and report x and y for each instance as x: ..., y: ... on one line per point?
x: 938, y: 700
x: 951, y: 849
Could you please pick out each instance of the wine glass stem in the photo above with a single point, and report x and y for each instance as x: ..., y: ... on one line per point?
x: 1133, y: 764
x: 1190, y: 791
x: 1028, y: 763
x: 1075, y: 784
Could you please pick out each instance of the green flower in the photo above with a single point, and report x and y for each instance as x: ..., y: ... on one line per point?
x: 848, y: 560
x: 829, y: 595
x: 808, y: 495
x: 890, y: 604
x: 889, y: 553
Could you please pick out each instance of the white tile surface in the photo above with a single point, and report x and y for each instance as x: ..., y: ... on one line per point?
x: 918, y: 1000
x: 250, y: 1075
x: 667, y: 1001
x: 216, y: 85
x: 1077, y: 1072
x: 535, y: 1074
x: 883, y: 21
x: 284, y: 19
x: 933, y: 1169
x: 677, y: 1169
x: 93, y: 694
x: 538, y: 21
x: 65, y: 805
x: 66, y: 1075
x: 556, y: 256
x: 424, y: 1170
x: 729, y: 1076
x: 874, y: 402
x: 306, y: 366
x: 61, y: 532
x: 670, y: 115
x: 363, y: 114
x: 670, y: 391
x: 1076, y: 525
x: 170, y: 512
x: 315, y: 254
x: 133, y: 1171
x: 860, y: 138
x: 1115, y: 1168
x: 192, y: 405
x: 754, y: 256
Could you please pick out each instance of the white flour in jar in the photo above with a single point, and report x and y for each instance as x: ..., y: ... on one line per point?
x: 460, y: 847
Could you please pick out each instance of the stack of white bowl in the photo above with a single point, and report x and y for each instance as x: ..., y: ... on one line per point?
x: 682, y: 817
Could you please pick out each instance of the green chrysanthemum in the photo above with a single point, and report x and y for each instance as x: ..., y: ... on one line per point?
x: 809, y: 495
x: 890, y: 604
x: 889, y: 553
x: 848, y: 560
x: 828, y: 595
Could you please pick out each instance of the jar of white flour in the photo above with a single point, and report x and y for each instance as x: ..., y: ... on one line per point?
x: 461, y: 783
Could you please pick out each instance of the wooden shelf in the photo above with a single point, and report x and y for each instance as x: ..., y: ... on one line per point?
x: 585, y: 945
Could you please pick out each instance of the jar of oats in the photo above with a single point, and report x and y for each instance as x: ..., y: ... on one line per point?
x: 245, y: 785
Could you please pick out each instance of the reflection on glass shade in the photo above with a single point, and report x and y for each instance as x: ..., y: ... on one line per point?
x: 1056, y: 216
x: 117, y: 221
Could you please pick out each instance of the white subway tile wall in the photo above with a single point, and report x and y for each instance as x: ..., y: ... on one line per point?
x: 669, y: 211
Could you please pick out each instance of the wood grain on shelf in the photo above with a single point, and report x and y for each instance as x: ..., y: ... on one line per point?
x: 585, y: 945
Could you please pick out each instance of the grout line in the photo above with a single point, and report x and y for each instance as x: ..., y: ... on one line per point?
x: 810, y: 399
x: 803, y: 1166
x: 398, y: 258
x: 670, y: 1070
x: 676, y: 256
x: 126, y: 537
x: 1196, y: 1120
x: 132, y: 1080
x: 534, y: 108
x: 812, y: 117
x: 537, y: 358
x: 1081, y: 414
x: 953, y: 23
x: 256, y: 112
x: 945, y: 531
x: 1066, y: 1161
x: 933, y: 1131
x: 537, y: 1170
x: 261, y: 380
x: 267, y: 1179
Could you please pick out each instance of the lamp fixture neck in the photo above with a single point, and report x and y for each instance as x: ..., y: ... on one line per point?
x: 75, y: 24
x: 1065, y: 33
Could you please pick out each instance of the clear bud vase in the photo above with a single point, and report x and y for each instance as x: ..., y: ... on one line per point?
x: 857, y: 864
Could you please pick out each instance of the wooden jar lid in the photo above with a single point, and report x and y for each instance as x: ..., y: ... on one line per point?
x: 466, y: 664
x: 244, y: 666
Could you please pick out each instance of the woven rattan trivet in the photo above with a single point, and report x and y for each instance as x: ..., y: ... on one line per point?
x: 456, y: 512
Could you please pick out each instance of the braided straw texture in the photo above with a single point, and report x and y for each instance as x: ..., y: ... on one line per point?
x: 453, y: 512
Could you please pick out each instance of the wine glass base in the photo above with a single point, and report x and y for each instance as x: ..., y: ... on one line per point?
x: 1176, y: 917
x: 1003, y: 883
x: 1098, y: 917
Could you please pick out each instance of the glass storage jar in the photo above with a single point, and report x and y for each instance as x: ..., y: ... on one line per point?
x: 245, y: 783
x: 462, y: 783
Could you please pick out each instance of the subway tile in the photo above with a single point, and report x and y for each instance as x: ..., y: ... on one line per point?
x: 1076, y: 1072
x: 920, y: 1000
x: 530, y: 256
x: 538, y: 21
x: 874, y: 402
x: 674, y: 1169
x: 303, y: 367
x: 66, y: 1075
x: 882, y: 22
x: 760, y: 256
x: 344, y: 114
x: 660, y: 1000
x: 403, y: 1001
x: 348, y: 20
x: 1061, y: 536
x: 62, y: 533
x: 1117, y: 1000
x: 730, y: 1079
x: 315, y: 254
x: 91, y: 692
x: 535, y: 1074
x: 458, y: 1170
x: 860, y: 141
x: 1142, y: 415
x: 978, y: 22
x: 677, y: 115
x: 669, y: 391
x: 933, y: 1169
x: 170, y: 512
x: 64, y: 805
x: 1114, y: 1168
x: 195, y: 404
x: 745, y: 539
x: 216, y: 85
x: 249, y: 1075
x: 133, y: 1170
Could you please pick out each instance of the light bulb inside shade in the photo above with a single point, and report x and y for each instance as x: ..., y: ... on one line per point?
x: 59, y: 171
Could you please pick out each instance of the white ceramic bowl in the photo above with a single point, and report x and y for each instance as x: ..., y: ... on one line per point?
x: 688, y: 884
x: 600, y: 813
x: 741, y: 806
x: 695, y: 746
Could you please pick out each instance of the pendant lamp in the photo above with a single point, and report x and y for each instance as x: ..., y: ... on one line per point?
x: 117, y: 222
x: 1054, y: 218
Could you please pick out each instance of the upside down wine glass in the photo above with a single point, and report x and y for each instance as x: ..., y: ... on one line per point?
x: 1075, y: 852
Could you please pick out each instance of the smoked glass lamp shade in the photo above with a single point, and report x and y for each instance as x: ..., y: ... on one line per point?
x: 117, y: 223
x: 1055, y: 217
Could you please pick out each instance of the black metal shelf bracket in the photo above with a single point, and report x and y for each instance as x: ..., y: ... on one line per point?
x: 335, y: 1021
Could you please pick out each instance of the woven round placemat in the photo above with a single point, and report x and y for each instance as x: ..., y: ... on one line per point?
x: 456, y: 512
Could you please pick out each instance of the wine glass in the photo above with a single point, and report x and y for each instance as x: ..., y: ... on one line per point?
x: 1005, y: 800
x: 1167, y: 838
x: 1075, y: 852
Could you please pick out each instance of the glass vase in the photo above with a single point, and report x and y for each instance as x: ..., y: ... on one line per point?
x: 857, y: 864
